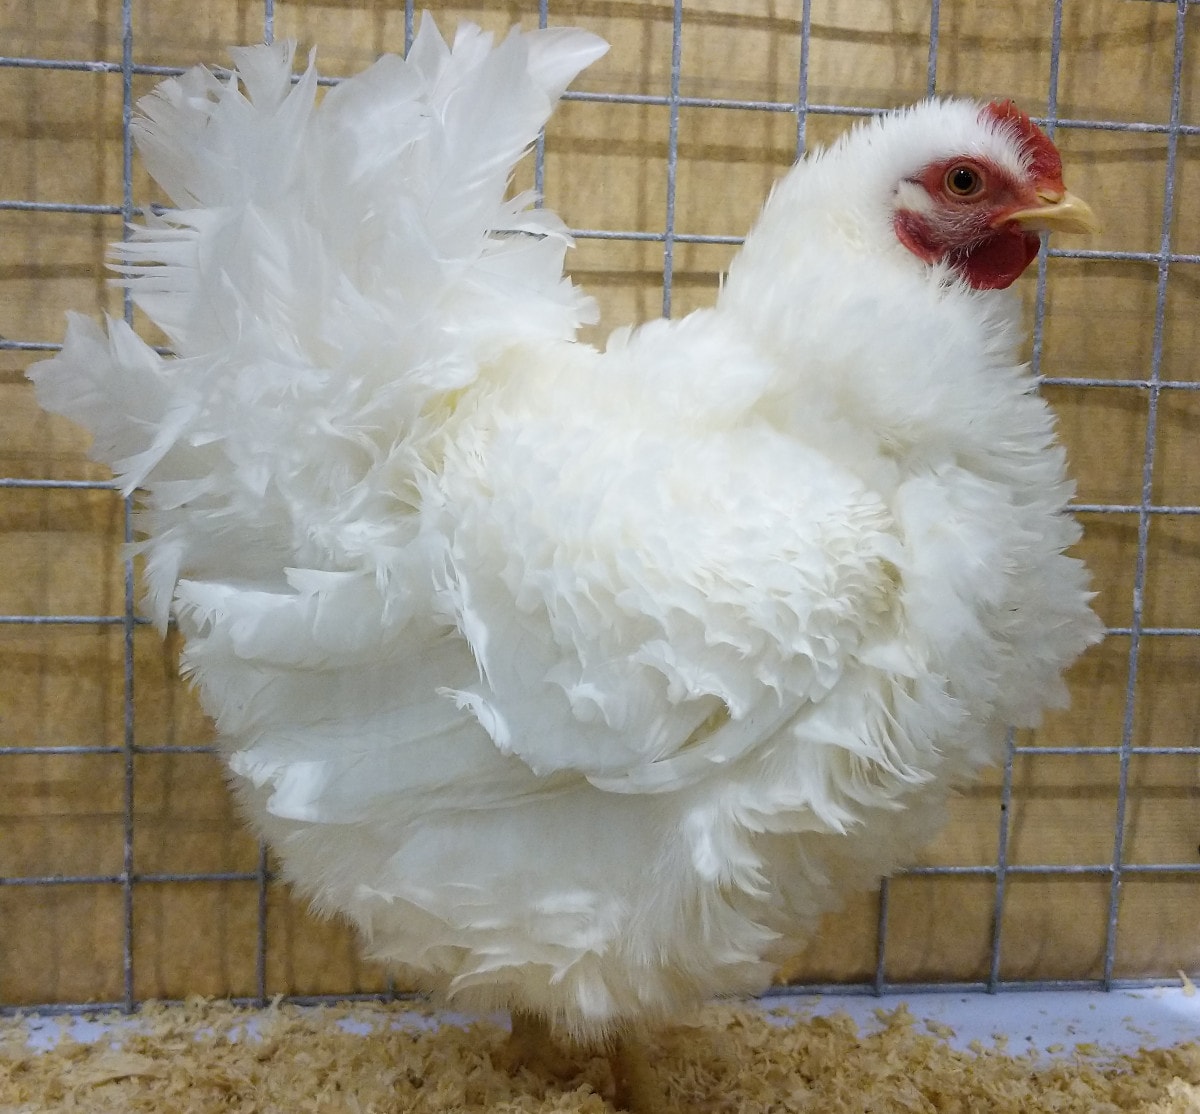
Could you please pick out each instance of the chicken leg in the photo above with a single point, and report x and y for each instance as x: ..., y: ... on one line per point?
x: 531, y: 1045
x: 637, y: 1089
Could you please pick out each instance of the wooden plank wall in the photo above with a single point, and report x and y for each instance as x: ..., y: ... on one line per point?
x: 64, y: 684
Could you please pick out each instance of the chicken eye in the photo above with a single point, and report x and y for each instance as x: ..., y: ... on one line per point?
x: 963, y: 181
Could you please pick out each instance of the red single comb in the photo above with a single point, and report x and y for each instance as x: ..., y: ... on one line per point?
x: 1045, y: 163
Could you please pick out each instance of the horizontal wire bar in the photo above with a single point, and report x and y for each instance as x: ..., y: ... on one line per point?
x: 1075, y: 508
x: 653, y: 237
x: 1007, y: 986
x: 7, y: 345
x: 793, y: 990
x: 18, y: 205
x: 1162, y: 632
x: 1134, y: 384
x: 142, y: 620
x: 60, y: 207
x: 662, y: 99
x: 658, y: 237
x: 175, y: 748
x: 153, y: 748
x: 63, y: 748
x: 87, y: 208
x: 624, y: 234
x: 84, y: 66
x: 121, y: 879
x: 57, y: 1009
x: 81, y: 485
x: 1129, y: 508
x: 71, y: 620
x: 208, y: 748
x: 1139, y: 384
x: 948, y: 871
x: 1113, y: 253
x: 985, y: 869
x: 1089, y: 751
x: 56, y: 346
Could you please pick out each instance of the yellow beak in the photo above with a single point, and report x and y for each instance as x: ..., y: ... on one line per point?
x: 1060, y: 212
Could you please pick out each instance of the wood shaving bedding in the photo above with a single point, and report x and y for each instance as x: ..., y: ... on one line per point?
x: 205, y: 1057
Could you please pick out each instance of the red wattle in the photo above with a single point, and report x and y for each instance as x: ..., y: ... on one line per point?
x: 998, y: 261
x: 992, y: 263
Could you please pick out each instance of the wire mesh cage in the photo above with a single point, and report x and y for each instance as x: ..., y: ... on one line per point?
x: 124, y: 872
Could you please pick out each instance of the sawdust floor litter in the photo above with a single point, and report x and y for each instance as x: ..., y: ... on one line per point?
x: 204, y: 1057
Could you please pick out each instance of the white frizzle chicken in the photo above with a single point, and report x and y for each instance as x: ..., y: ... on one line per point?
x: 583, y: 682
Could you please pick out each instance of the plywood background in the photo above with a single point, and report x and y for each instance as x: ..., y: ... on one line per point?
x: 64, y: 684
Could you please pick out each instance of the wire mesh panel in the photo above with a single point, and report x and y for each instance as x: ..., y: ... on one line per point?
x: 126, y: 874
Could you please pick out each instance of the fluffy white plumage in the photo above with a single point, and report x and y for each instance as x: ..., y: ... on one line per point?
x: 582, y: 682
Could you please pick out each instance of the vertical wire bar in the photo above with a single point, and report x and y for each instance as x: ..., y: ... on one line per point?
x: 262, y: 876
x: 881, y: 935
x: 802, y: 91
x: 409, y: 32
x: 1006, y: 796
x: 1039, y: 321
x: 1139, y: 578
x: 935, y: 15
x: 672, y: 156
x: 1039, y: 311
x: 409, y: 20
x: 128, y: 737
x: 260, y: 949
x: 539, y: 157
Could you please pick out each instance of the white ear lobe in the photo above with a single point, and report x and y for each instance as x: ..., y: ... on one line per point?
x: 913, y: 197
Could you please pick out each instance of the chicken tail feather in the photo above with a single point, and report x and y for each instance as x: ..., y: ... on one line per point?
x: 333, y: 269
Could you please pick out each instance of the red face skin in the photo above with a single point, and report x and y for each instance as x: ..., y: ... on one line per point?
x: 967, y: 227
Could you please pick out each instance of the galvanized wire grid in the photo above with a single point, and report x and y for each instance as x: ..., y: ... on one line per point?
x: 129, y: 878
